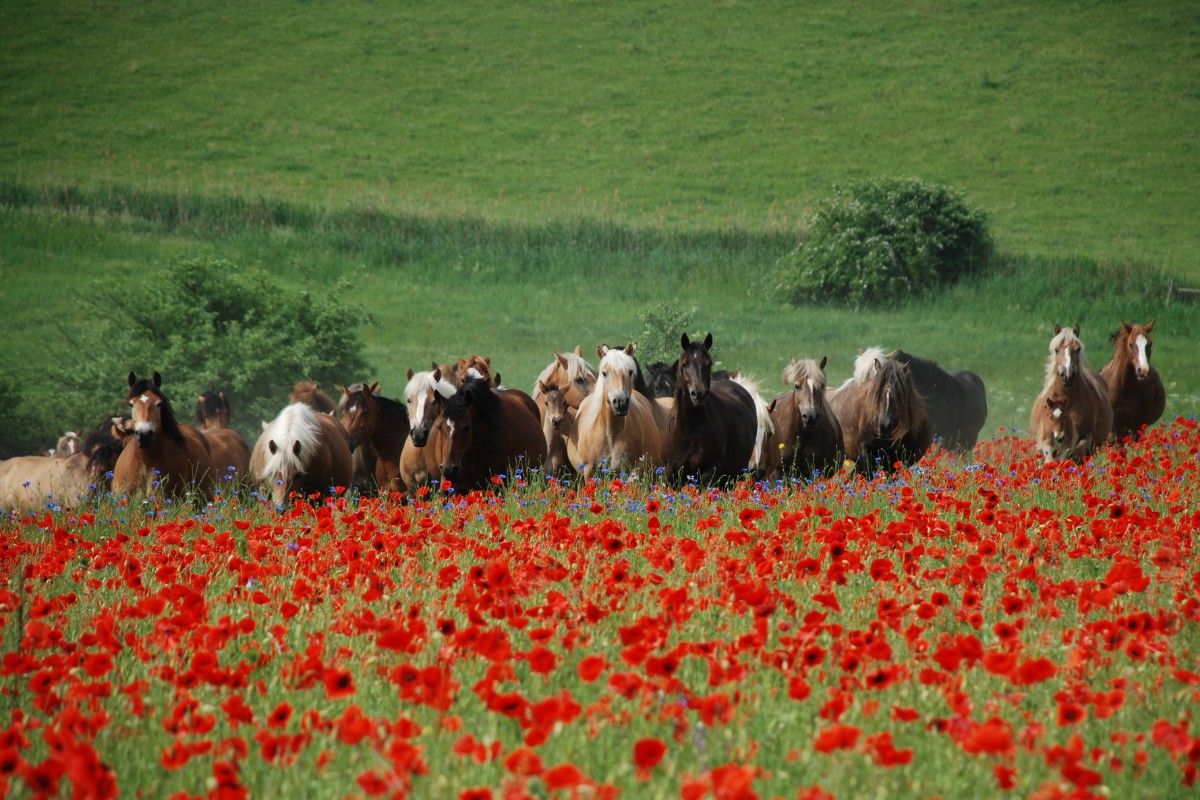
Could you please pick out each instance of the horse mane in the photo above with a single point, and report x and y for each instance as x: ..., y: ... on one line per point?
x: 866, y: 364
x: 808, y: 368
x: 297, y: 423
x: 476, y: 392
x: 170, y: 425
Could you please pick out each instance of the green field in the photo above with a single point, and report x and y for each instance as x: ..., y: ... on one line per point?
x: 518, y: 180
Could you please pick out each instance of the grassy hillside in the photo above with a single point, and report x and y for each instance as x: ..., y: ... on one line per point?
x: 1073, y: 123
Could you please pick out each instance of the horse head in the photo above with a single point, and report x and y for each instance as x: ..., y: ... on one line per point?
x: 694, y: 378
x: 1137, y: 346
x: 1059, y: 437
x: 1066, y: 354
x: 148, y: 405
x: 554, y: 403
x: 360, y: 412
x: 807, y: 379
x: 617, y: 373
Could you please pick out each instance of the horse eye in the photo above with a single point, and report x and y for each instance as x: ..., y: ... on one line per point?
x: 580, y: 380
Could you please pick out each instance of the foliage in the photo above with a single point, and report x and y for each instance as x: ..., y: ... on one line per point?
x: 19, y: 431
x: 211, y: 324
x: 662, y: 324
x: 882, y: 241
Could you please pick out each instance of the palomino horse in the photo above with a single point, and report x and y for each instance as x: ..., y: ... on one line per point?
x: 571, y: 374
x: 212, y: 411
x: 487, y: 432
x: 955, y: 401
x: 382, y: 421
x: 713, y: 424
x: 808, y: 432
x: 426, y: 393
x: 301, y: 451
x: 1134, y: 388
x: 558, y: 425
x: 165, y: 457
x: 615, y: 424
x: 882, y: 415
x: 30, y: 483
x: 1070, y: 379
x: 1053, y: 430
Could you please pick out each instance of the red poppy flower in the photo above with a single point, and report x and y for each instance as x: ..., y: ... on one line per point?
x: 647, y: 753
x: 338, y: 683
x: 591, y: 667
x: 836, y: 737
x: 524, y: 761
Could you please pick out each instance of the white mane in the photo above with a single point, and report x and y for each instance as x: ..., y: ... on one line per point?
x: 296, y: 425
x: 417, y: 390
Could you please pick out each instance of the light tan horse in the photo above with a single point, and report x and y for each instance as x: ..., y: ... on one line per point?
x: 426, y: 394
x: 1135, y: 389
x: 29, y: 483
x: 301, y: 451
x: 570, y: 374
x: 807, y: 430
x: 161, y: 458
x: 558, y: 425
x: 615, y: 425
x: 1053, y: 430
x: 1069, y: 378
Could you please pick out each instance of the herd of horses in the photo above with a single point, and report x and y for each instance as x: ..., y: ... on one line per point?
x: 458, y: 428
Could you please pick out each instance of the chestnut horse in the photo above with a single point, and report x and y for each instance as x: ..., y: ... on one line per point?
x: 615, y: 424
x: 488, y: 432
x: 381, y: 421
x: 313, y: 396
x: 882, y: 414
x: 1134, y: 388
x: 558, y: 426
x: 162, y: 457
x: 713, y: 424
x: 807, y: 430
x: 1069, y: 378
x: 301, y: 451
x: 1053, y: 430
x: 212, y: 411
x: 955, y: 401
x: 426, y: 393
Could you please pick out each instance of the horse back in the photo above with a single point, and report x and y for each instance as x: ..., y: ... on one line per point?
x: 229, y: 451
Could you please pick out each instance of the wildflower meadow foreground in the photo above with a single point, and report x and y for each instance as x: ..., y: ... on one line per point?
x: 985, y: 628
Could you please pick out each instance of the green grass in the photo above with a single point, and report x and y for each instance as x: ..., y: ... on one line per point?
x: 1073, y: 124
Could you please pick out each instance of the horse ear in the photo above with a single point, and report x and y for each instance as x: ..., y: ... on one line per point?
x: 296, y: 448
x: 437, y: 373
x: 374, y: 388
x: 1125, y: 326
x: 601, y: 349
x: 561, y: 359
x: 793, y: 362
x: 200, y: 399
x: 132, y: 379
x: 684, y: 341
x: 822, y: 362
x: 1075, y: 330
x: 1149, y: 326
x: 1057, y: 329
x: 579, y: 350
x: 860, y: 350
x: 274, y: 448
x: 221, y: 395
x: 496, y: 379
x: 157, y: 379
x: 771, y: 406
x: 708, y: 342
x: 410, y: 374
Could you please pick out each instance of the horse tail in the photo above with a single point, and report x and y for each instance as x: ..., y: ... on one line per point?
x: 765, y: 426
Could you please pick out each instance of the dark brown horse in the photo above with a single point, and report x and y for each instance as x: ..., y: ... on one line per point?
x: 808, y: 432
x: 212, y: 411
x: 1082, y: 390
x: 955, y: 401
x: 1135, y: 389
x: 713, y: 425
x: 162, y: 457
x: 381, y: 421
x: 487, y: 433
x: 882, y: 415
x: 230, y: 452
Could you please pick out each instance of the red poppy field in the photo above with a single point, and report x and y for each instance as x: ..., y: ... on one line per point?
x: 962, y: 629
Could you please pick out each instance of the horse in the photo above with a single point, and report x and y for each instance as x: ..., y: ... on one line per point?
x: 313, y: 396
x: 882, y: 414
x: 363, y: 457
x: 1069, y: 377
x: 571, y: 374
x: 475, y: 366
x: 1053, y: 430
x: 28, y: 483
x: 301, y: 451
x: 1135, y: 389
x: 161, y: 457
x: 955, y: 401
x: 382, y: 421
x: 212, y: 410
x: 764, y: 458
x: 426, y: 394
x: 615, y: 423
x: 661, y: 380
x: 488, y: 431
x: 807, y: 430
x: 558, y: 425
x: 713, y: 424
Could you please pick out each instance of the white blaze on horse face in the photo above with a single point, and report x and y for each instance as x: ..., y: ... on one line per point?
x: 1141, y: 355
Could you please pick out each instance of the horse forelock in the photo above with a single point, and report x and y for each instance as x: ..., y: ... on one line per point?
x: 297, y: 423
x: 805, y: 370
x: 618, y: 362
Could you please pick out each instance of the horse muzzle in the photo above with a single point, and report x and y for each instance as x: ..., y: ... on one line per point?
x: 620, y: 405
x: 419, y: 437
x: 451, y: 471
x: 1066, y: 377
x: 809, y: 421
x: 697, y: 397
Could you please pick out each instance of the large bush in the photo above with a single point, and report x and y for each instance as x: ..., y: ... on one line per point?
x: 210, y: 324
x: 881, y: 241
